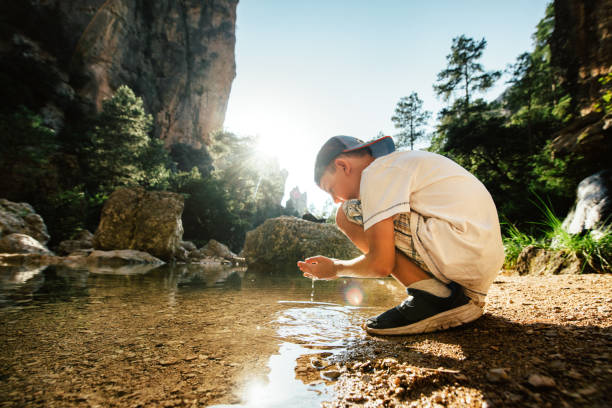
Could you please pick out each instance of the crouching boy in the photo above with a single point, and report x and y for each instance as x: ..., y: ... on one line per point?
x: 419, y: 217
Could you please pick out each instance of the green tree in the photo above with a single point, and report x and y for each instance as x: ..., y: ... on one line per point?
x: 464, y: 72
x: 410, y: 117
x: 121, y: 151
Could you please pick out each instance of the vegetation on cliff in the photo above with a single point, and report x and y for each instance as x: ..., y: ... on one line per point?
x: 67, y: 176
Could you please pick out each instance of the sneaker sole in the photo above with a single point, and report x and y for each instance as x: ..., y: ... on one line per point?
x: 451, y: 318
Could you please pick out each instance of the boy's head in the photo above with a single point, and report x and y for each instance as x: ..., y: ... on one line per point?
x: 343, y: 151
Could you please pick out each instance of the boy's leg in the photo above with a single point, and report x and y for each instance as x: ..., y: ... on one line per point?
x: 405, y: 271
x: 431, y: 305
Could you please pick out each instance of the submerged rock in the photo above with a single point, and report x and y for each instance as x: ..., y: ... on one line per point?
x: 285, y: 240
x: 121, y: 257
x: 148, y: 221
x: 21, y: 218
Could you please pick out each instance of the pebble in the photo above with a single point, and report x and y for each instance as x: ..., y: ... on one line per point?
x: 316, y: 363
x: 332, y: 374
x: 574, y: 374
x: 586, y: 391
x: 541, y: 381
x: 498, y: 375
x: 168, y: 361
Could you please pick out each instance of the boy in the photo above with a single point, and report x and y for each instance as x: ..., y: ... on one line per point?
x: 419, y: 217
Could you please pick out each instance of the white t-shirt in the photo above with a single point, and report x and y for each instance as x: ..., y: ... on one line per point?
x: 453, y: 218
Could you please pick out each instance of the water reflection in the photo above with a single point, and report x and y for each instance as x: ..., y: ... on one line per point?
x: 221, y: 334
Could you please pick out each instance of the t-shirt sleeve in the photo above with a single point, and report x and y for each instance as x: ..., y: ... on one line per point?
x: 385, y: 191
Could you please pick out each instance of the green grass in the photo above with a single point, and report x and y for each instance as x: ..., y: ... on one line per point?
x: 594, y: 249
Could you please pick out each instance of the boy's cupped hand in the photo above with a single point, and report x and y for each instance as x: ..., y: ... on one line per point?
x: 319, y: 267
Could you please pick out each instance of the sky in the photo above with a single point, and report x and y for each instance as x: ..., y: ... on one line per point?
x: 309, y: 70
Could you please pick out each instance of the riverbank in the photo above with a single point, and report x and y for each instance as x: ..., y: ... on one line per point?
x: 544, y: 341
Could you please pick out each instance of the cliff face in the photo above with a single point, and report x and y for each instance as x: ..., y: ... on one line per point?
x: 178, y: 55
x: 581, y: 48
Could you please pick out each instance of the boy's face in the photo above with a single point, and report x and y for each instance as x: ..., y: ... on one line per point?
x: 341, y: 184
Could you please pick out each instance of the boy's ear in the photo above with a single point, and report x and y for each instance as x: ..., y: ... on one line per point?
x: 343, y: 165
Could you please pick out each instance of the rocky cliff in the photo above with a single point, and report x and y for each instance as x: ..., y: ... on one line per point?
x: 581, y: 48
x: 178, y: 55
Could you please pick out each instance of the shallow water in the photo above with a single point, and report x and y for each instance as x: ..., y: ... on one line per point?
x: 219, y: 336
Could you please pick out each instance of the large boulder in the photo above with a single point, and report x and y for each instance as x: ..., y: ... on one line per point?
x: 21, y: 218
x: 148, y: 221
x: 283, y: 241
x: 593, y: 208
x: 22, y: 244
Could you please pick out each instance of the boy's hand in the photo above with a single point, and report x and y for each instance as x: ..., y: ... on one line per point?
x: 319, y: 267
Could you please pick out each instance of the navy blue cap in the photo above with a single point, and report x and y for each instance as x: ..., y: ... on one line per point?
x: 337, y: 145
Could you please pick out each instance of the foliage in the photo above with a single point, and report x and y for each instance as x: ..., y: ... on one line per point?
x: 410, y: 117
x: 514, y: 243
x: 244, y: 189
x: 605, y: 102
x: 121, y: 152
x: 464, y: 72
x: 594, y: 249
x: 187, y: 157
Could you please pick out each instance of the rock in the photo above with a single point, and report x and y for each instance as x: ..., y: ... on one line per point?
x: 133, y: 218
x: 159, y: 49
x: 593, y: 205
x: 498, y: 375
x: 285, y: 240
x: 190, y: 44
x: 22, y: 244
x: 121, y: 257
x: 188, y: 246
x: 215, y: 248
x: 21, y: 218
x: 83, y: 241
x: 581, y: 50
x: 331, y: 374
x: 541, y: 381
x: 539, y: 261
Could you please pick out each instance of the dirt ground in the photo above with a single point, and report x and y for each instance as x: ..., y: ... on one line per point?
x: 543, y: 342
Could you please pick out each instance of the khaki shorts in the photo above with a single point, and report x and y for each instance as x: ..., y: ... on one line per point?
x: 401, y: 225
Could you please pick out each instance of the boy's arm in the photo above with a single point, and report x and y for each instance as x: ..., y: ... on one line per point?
x: 379, y: 261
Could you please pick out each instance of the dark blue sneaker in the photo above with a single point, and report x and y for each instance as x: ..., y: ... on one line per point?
x: 423, y: 312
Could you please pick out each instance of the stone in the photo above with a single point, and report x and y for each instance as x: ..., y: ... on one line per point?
x: 22, y: 244
x: 215, y: 248
x: 498, y: 375
x: 541, y: 381
x: 21, y: 218
x: 148, y: 221
x: 285, y: 240
x: 121, y: 257
x: 539, y: 261
x: 581, y: 50
x: 82, y: 241
x: 331, y: 374
x: 188, y: 246
x: 593, y: 207
x: 161, y: 49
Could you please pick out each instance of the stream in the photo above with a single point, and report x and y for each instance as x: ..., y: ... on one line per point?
x: 186, y: 335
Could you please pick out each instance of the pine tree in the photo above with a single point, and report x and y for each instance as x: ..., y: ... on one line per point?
x: 410, y: 117
x: 120, y: 142
x: 464, y: 72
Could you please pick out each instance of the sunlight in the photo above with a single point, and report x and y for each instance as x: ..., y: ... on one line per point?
x: 280, y: 136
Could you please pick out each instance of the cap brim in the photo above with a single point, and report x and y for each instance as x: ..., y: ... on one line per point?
x: 378, y: 147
